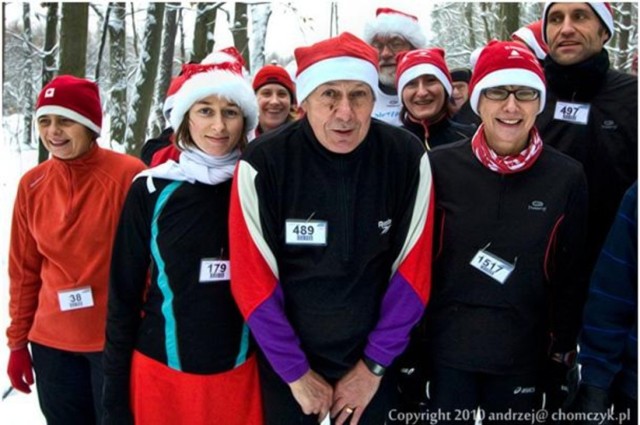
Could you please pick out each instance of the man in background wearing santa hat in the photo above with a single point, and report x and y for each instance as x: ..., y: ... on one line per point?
x: 390, y: 33
x: 330, y: 240
x: 591, y: 115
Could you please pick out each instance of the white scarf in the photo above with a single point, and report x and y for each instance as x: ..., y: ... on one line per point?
x: 195, y: 165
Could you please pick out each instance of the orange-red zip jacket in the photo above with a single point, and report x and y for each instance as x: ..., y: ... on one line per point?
x: 64, y: 222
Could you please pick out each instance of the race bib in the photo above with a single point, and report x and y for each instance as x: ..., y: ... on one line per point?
x: 577, y: 113
x: 214, y: 270
x: 305, y: 232
x: 74, y: 299
x: 492, y: 265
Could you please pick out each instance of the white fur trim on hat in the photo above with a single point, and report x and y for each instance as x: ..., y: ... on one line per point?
x: 332, y: 69
x: 390, y: 24
x: 167, y: 106
x: 508, y: 77
x: 225, y: 84
x: 526, y: 35
x: 423, y: 69
x: 67, y: 113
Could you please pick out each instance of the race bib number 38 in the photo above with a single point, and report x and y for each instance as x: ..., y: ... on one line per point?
x: 74, y: 299
x: 492, y: 265
x: 305, y: 232
x: 577, y: 113
x: 214, y: 270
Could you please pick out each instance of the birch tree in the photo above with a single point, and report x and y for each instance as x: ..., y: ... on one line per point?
x: 73, y: 39
x: 144, y: 80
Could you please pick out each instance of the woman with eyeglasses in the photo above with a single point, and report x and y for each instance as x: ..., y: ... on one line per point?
x: 511, y: 215
x: 425, y: 89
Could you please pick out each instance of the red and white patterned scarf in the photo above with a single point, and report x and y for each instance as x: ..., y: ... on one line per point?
x: 506, y: 164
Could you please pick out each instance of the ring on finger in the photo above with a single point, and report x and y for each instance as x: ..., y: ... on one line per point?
x: 348, y: 409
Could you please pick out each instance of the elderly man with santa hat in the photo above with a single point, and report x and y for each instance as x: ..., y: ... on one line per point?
x: 330, y: 237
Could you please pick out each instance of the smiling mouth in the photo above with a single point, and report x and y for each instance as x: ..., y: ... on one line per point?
x: 58, y: 143
x: 509, y: 122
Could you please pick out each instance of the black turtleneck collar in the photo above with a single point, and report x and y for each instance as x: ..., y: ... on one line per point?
x: 579, y: 82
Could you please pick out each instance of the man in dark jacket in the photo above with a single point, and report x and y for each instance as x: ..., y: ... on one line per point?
x: 591, y: 115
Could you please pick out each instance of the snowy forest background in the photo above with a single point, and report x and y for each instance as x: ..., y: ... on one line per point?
x: 133, y: 49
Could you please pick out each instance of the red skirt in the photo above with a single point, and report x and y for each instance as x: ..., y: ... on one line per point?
x: 164, y: 396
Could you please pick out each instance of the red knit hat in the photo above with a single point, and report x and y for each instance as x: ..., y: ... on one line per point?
x: 274, y: 74
x: 531, y: 35
x: 390, y: 22
x: 505, y: 63
x: 414, y: 63
x: 175, y: 85
x: 345, y: 57
x: 602, y: 10
x: 74, y: 98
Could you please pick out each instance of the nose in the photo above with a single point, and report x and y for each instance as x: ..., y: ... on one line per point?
x: 422, y: 89
x: 343, y: 109
x: 567, y: 25
x: 273, y: 98
x: 511, y: 104
x: 386, y: 52
x: 217, y: 123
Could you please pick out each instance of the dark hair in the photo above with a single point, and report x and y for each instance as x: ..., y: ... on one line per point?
x: 183, y: 139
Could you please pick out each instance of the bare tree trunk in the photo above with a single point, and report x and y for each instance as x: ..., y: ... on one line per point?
x: 165, y: 70
x: 50, y: 41
x: 239, y: 32
x: 27, y: 81
x: 260, y: 14
x: 49, y: 59
x: 133, y: 26
x: 487, y: 29
x: 468, y: 14
x: 510, y: 17
x: 73, y: 39
x: 203, y: 30
x: 624, y: 52
x: 183, y: 54
x: 117, y: 105
x: 145, y: 80
x: 103, y: 39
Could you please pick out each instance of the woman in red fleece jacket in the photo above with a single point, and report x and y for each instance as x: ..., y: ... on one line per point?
x: 64, y: 220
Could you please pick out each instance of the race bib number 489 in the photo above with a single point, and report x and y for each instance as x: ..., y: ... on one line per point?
x: 305, y: 232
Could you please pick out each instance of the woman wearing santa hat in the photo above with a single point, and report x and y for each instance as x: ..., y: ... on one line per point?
x: 425, y: 89
x: 276, y: 97
x: 511, y: 213
x: 178, y: 350
x: 65, y: 215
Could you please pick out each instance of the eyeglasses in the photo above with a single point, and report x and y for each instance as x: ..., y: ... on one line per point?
x: 396, y: 45
x: 499, y: 93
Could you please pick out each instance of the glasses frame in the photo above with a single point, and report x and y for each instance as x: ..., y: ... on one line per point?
x: 512, y: 92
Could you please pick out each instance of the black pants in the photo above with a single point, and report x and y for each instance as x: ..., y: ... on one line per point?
x: 281, y: 408
x: 69, y: 385
x: 456, y: 395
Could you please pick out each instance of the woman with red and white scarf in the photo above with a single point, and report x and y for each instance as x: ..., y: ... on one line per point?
x: 511, y: 215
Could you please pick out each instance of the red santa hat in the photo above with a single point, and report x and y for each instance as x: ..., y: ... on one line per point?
x: 602, y: 10
x: 174, y: 86
x: 345, y: 57
x: 390, y: 22
x: 506, y: 63
x: 414, y: 63
x: 274, y: 74
x: 531, y: 35
x: 74, y: 98
x: 223, y: 79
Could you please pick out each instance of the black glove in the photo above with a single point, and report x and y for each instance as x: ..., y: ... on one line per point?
x: 591, y: 400
x: 560, y: 381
